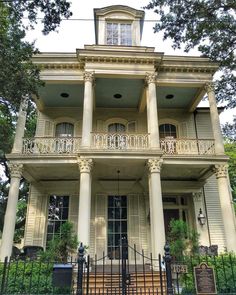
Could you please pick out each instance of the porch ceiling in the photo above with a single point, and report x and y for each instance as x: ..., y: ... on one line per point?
x: 131, y: 90
x: 106, y: 170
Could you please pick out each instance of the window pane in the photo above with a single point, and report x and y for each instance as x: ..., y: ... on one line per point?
x: 57, y: 215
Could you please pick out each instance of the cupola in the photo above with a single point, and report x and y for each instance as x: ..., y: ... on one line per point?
x: 118, y: 25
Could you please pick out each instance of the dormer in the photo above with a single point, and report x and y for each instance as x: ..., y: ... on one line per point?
x: 118, y: 25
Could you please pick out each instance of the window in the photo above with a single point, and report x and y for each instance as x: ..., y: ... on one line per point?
x: 64, y: 130
x: 119, y: 34
x: 167, y: 130
x: 58, y: 209
x: 117, y: 225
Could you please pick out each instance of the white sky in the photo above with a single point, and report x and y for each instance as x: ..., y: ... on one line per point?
x: 74, y: 34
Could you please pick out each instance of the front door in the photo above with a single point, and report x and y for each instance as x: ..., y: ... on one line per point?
x: 117, y: 225
x: 168, y: 215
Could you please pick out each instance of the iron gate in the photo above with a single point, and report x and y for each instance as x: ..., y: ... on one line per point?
x: 133, y: 273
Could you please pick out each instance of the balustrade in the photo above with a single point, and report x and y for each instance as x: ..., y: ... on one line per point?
x: 51, y: 145
x: 120, y: 141
x: 187, y: 146
x: 117, y: 141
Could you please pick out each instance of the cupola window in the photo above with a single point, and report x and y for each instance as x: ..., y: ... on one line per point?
x: 118, y: 34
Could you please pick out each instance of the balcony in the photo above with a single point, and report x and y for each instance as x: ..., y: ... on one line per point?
x: 116, y: 142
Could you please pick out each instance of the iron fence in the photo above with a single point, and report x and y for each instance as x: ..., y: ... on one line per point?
x: 133, y: 273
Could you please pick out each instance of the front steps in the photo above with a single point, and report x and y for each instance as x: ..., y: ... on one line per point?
x: 148, y: 283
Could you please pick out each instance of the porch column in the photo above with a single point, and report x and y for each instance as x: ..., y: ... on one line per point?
x: 227, y: 209
x: 20, y: 126
x: 215, y: 121
x: 201, y: 229
x: 152, y: 117
x: 10, y: 215
x: 156, y: 207
x: 85, y: 166
x: 88, y: 109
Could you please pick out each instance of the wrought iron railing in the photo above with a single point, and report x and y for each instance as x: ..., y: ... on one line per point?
x: 51, y: 145
x: 120, y: 141
x: 186, y: 146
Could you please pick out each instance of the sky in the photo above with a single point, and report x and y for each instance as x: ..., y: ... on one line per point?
x: 79, y: 30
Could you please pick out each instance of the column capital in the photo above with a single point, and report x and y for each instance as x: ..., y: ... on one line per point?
x: 89, y: 77
x: 151, y: 77
x: 221, y: 170
x: 85, y: 165
x: 197, y: 197
x: 16, y: 170
x: 154, y: 165
x: 24, y: 103
x: 209, y: 87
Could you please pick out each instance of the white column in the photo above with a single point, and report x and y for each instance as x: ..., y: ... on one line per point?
x: 88, y: 109
x: 156, y: 207
x: 152, y: 117
x: 201, y: 229
x: 10, y: 215
x: 85, y: 166
x: 226, y: 203
x: 20, y: 126
x: 215, y: 121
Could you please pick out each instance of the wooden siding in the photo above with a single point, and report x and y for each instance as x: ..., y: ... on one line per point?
x: 214, y: 214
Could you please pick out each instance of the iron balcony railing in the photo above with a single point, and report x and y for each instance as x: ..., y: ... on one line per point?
x: 51, y: 145
x: 117, y: 142
x: 186, y: 146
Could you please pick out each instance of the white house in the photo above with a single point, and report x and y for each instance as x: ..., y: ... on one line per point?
x: 121, y: 146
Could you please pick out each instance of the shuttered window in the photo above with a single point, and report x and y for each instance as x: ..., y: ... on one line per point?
x: 58, y: 210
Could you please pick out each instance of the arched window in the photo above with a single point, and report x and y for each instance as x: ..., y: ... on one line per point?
x: 167, y: 130
x: 64, y: 129
x: 116, y: 128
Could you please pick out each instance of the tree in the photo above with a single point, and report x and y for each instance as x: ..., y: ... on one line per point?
x: 19, y: 76
x: 229, y: 131
x: 208, y: 25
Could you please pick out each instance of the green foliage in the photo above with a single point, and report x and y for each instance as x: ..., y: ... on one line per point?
x: 206, y: 25
x: 182, y: 239
x: 30, y: 277
x: 230, y: 150
x: 224, y: 266
x: 64, y: 244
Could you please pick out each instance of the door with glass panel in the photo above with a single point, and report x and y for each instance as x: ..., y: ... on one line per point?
x: 64, y: 137
x: 116, y: 136
x: 117, y: 225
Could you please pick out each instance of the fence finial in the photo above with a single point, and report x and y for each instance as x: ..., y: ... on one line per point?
x: 167, y: 259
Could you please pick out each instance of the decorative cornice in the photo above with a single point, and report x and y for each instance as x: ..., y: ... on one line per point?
x: 151, y: 78
x: 15, y: 170
x: 89, y: 77
x: 154, y: 165
x: 61, y: 66
x: 197, y: 197
x: 24, y: 103
x: 209, y: 87
x: 85, y: 165
x: 221, y: 171
x: 186, y: 69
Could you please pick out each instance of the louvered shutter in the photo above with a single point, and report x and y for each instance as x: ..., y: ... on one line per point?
x: 131, y: 127
x: 133, y: 224
x: 100, y: 224
x: 183, y: 132
x: 48, y: 128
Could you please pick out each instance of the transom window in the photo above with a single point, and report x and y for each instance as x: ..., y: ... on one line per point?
x: 167, y: 130
x: 58, y: 209
x: 117, y: 225
x: 64, y: 129
x: 118, y: 34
